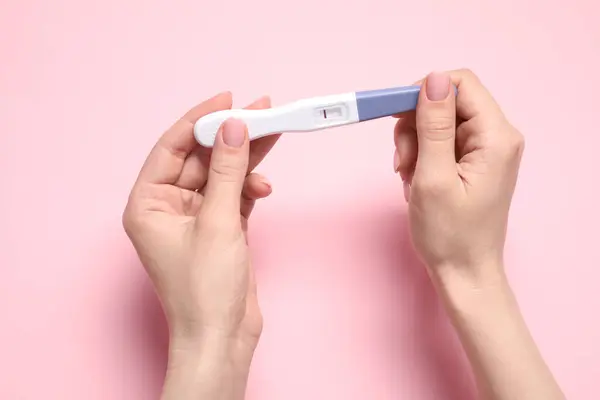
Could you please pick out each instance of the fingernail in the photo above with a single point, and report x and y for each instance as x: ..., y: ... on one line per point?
x: 437, y: 86
x: 266, y: 182
x: 396, y: 161
x: 406, y: 187
x: 234, y: 133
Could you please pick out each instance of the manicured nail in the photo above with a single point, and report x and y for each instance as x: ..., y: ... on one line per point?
x: 266, y: 182
x: 406, y: 187
x: 234, y: 133
x: 396, y: 161
x: 437, y: 86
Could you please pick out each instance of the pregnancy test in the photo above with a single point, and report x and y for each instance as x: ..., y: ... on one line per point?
x: 312, y: 114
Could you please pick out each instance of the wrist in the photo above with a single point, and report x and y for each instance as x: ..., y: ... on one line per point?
x: 484, y: 311
x: 211, y: 347
x: 480, y: 273
x: 461, y: 286
x: 206, y: 366
x: 211, y: 342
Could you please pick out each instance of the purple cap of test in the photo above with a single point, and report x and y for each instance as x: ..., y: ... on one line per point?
x: 379, y: 103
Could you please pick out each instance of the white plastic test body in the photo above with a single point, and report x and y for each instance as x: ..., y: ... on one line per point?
x: 312, y: 114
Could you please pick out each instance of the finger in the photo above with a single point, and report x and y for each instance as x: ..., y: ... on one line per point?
x: 405, y: 140
x: 259, y: 104
x: 473, y: 98
x: 407, y: 113
x: 476, y: 112
x: 255, y: 187
x: 259, y: 148
x: 436, y: 127
x: 227, y: 171
x: 191, y: 201
x: 195, y: 169
x: 165, y: 162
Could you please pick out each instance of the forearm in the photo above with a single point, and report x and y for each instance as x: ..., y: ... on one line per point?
x: 205, y: 368
x: 503, y: 355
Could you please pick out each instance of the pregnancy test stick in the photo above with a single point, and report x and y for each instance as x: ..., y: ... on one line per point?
x: 313, y: 113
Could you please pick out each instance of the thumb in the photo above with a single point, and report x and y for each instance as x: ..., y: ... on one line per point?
x: 436, y: 126
x: 227, y: 171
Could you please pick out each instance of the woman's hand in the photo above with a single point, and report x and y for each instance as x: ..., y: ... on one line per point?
x: 459, y: 159
x: 187, y: 217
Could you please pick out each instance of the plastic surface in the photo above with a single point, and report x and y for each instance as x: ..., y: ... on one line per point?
x: 300, y: 116
x: 374, y: 104
x: 313, y: 113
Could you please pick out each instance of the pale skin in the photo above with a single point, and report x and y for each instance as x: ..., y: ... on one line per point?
x: 458, y: 158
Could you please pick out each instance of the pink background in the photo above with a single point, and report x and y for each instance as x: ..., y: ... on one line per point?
x: 86, y: 87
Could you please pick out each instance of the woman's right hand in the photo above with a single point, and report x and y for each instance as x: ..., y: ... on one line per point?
x: 458, y: 157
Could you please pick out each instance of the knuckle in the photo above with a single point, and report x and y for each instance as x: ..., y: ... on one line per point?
x: 440, y: 126
x: 130, y: 221
x: 514, y: 145
x: 190, y: 201
x: 226, y: 170
x: 509, y: 149
x: 439, y: 123
x: 519, y: 142
x: 126, y: 221
x: 468, y: 74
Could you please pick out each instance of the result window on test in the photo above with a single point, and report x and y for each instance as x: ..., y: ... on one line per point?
x: 335, y: 112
